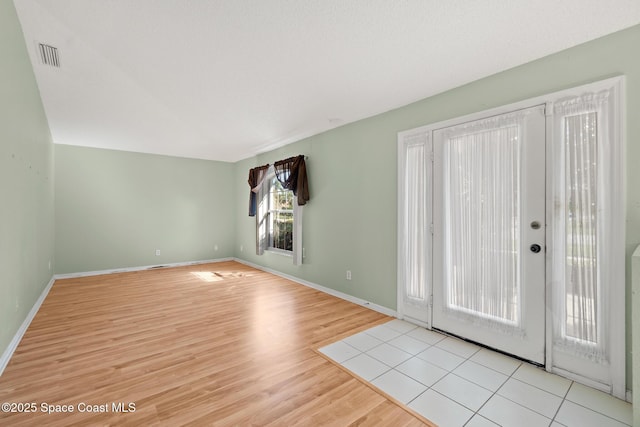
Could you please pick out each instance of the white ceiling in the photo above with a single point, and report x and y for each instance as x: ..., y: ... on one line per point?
x: 227, y: 79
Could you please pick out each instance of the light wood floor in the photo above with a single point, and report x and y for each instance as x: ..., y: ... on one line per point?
x: 213, y: 344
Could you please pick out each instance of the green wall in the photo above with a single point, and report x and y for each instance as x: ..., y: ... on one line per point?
x: 115, y: 208
x: 350, y: 221
x: 26, y: 182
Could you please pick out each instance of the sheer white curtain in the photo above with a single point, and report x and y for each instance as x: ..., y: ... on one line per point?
x: 262, y: 214
x: 415, y: 244
x: 482, y: 164
x: 416, y: 223
x: 579, y: 299
x: 297, y: 232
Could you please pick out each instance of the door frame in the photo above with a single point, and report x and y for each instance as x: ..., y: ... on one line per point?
x: 614, y: 271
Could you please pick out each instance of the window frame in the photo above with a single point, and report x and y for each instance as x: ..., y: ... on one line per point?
x: 273, y: 181
x: 263, y: 232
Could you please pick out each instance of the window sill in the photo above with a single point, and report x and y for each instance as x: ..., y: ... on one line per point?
x: 280, y: 252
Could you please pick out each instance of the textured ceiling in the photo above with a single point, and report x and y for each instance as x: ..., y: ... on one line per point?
x: 227, y: 79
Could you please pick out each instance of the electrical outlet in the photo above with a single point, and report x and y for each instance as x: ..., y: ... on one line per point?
x: 348, y: 274
x: 241, y: 248
x: 215, y: 247
x: 49, y: 265
x: 304, y: 253
x: 157, y: 252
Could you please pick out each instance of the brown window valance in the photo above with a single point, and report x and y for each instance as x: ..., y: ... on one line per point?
x: 292, y: 174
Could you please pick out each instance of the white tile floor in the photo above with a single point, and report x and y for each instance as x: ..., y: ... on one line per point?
x: 454, y: 383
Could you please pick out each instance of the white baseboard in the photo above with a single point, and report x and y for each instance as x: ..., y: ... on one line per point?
x: 13, y: 345
x: 333, y: 292
x: 145, y: 267
x: 6, y: 356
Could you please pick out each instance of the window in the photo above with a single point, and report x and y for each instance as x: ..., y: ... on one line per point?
x: 581, y: 286
x: 278, y: 193
x: 280, y: 220
x: 587, y: 235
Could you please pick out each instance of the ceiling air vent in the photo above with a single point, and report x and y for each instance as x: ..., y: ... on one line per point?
x: 49, y: 55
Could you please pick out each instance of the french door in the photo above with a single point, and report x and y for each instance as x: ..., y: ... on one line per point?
x: 489, y: 232
x: 511, y: 230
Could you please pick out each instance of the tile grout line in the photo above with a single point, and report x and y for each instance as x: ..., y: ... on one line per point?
x: 510, y: 376
x: 553, y: 419
x: 590, y: 409
x: 564, y: 398
x: 526, y: 407
x: 392, y: 368
x: 491, y: 397
x: 416, y: 356
x: 448, y: 372
x: 391, y: 398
